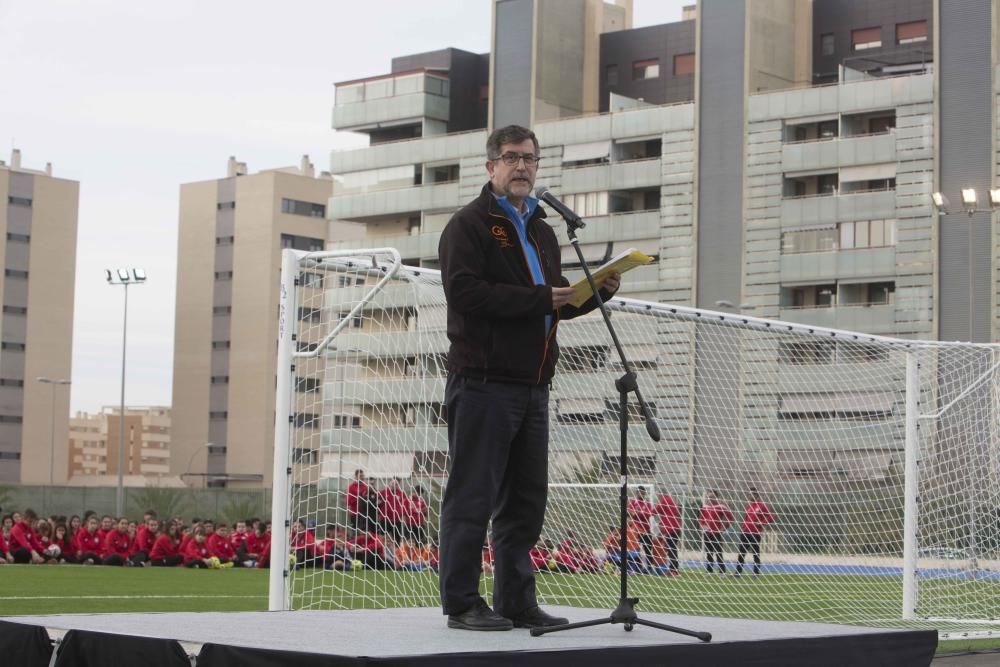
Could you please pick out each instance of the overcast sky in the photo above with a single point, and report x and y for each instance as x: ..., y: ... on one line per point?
x: 133, y: 98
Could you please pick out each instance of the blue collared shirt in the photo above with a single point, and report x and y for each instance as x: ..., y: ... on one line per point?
x: 521, y: 225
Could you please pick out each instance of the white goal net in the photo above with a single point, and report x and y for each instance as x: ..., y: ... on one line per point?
x: 878, y: 458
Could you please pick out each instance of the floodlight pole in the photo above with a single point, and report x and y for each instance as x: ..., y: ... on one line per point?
x: 120, y: 492
x: 123, y: 277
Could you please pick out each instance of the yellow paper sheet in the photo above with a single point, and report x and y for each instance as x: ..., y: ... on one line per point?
x: 625, y: 261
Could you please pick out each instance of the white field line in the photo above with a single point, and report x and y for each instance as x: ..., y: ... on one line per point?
x: 129, y: 597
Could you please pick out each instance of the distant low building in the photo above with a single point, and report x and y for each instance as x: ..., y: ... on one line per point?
x: 94, y: 442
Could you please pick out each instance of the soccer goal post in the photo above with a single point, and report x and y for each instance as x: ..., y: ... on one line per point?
x: 877, y: 457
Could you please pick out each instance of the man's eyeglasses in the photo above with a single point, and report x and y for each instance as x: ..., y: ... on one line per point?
x: 511, y: 159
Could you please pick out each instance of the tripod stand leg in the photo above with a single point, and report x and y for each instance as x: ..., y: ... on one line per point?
x: 703, y: 636
x: 538, y: 632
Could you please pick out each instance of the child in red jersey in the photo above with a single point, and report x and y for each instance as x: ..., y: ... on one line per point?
x: 220, y: 547
x: 5, y: 556
x: 196, y: 553
x: 392, y: 510
x: 24, y: 544
x: 361, y: 501
x: 303, y: 545
x: 367, y: 548
x: 118, y: 545
x: 145, y: 538
x: 670, y: 530
x: 714, y: 520
x: 61, y: 539
x: 107, y: 527
x: 88, y: 542
x: 756, y: 515
x: 166, y: 548
x: 640, y: 511
x: 238, y: 537
x: 416, y: 516
x: 264, y: 536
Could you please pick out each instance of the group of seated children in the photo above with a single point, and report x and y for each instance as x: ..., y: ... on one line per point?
x: 89, y: 540
x: 354, y: 548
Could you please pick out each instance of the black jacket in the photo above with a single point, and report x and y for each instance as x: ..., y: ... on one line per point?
x: 496, y: 313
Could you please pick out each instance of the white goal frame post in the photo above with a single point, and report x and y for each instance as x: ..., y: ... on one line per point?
x: 923, y: 399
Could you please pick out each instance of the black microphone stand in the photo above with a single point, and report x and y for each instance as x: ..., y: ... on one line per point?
x: 625, y: 612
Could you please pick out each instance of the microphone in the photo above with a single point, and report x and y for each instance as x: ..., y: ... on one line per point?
x: 572, y: 219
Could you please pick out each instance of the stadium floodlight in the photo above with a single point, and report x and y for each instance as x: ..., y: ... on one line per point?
x: 969, y: 200
x: 995, y: 198
x: 940, y: 203
x: 123, y: 277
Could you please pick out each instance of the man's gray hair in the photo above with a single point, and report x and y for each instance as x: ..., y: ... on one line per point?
x: 511, y: 134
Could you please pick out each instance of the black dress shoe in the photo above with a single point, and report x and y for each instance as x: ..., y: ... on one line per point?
x: 536, y: 618
x: 479, y: 617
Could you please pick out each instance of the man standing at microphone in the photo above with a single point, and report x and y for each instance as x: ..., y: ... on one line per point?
x: 500, y: 268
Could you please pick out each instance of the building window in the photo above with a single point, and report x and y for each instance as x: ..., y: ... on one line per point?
x: 307, y: 385
x: 296, y: 207
x: 223, y: 275
x: 19, y: 201
x: 220, y: 344
x: 220, y: 379
x: 866, y: 38
x: 305, y: 346
x: 15, y: 310
x: 611, y: 75
x: 10, y: 456
x: 346, y: 421
x: 867, y: 234
x: 683, y: 64
x: 9, y: 382
x: 309, y: 314
x: 11, y: 273
x: 306, y: 420
x: 305, y: 456
x: 19, y: 238
x: 646, y: 69
x: 306, y: 243
x: 10, y: 419
x: 224, y: 240
x: 909, y: 33
x: 222, y: 414
x: 12, y: 346
x: 225, y: 205
x: 826, y: 44
x: 222, y: 310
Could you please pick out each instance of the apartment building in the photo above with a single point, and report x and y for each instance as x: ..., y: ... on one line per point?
x: 39, y: 219
x: 94, y: 442
x: 232, y: 231
x: 793, y: 181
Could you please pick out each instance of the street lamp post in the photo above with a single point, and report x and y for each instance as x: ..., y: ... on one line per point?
x: 123, y: 277
x: 52, y: 424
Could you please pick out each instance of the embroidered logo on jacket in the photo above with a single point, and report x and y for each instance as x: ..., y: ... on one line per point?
x: 500, y: 234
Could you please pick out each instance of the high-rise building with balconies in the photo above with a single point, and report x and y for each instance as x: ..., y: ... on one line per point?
x: 38, y: 214
x: 232, y: 231
x: 777, y: 155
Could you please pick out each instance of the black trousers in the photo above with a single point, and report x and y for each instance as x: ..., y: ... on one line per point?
x: 671, y: 540
x: 498, y: 439
x: 713, y: 547
x: 749, y: 542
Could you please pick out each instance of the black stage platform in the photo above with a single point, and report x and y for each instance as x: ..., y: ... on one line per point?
x: 398, y: 637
